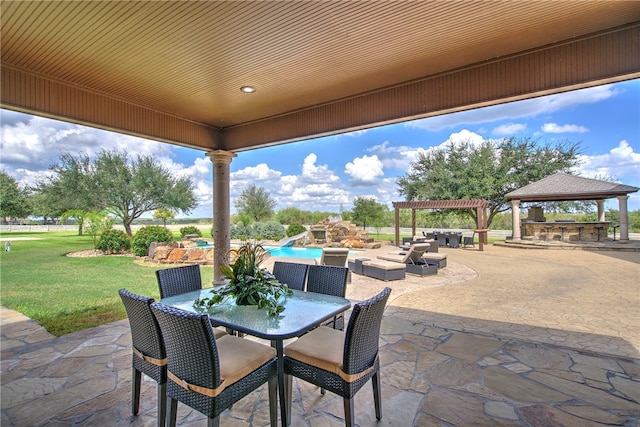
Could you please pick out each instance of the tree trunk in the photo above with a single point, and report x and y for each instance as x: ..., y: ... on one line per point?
x: 127, y: 228
x: 80, y: 225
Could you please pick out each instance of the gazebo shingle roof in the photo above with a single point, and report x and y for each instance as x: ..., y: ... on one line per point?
x: 561, y: 186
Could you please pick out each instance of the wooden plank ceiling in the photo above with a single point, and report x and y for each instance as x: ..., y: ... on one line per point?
x: 173, y: 70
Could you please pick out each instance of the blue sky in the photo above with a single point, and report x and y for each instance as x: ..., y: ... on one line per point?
x: 326, y: 174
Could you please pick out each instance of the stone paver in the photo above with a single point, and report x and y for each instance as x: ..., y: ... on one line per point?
x: 508, y: 337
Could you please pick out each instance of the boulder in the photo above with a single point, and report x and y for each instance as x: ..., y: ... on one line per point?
x: 161, y: 253
x: 177, y: 254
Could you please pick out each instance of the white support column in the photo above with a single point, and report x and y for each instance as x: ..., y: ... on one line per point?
x: 221, y: 212
x: 515, y: 220
x: 624, y: 217
x: 600, y: 204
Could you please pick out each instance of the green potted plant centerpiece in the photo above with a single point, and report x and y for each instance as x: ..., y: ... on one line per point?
x: 249, y: 283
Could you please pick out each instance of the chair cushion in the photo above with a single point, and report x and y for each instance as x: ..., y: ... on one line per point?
x: 239, y: 357
x: 385, y: 265
x: 394, y: 257
x: 323, y: 348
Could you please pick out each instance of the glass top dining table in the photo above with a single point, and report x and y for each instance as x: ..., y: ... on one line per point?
x: 303, y: 312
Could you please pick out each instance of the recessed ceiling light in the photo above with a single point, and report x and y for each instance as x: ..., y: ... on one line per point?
x: 248, y: 89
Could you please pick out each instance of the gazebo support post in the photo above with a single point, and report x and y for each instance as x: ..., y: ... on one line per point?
x: 515, y: 220
x: 624, y: 217
x: 600, y: 204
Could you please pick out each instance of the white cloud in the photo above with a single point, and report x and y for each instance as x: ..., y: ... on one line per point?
x: 464, y: 136
x: 621, y: 162
x: 316, y: 188
x: 517, y: 110
x: 509, y: 129
x: 556, y: 128
x: 31, y: 144
x: 364, y: 170
x: 394, y: 157
x: 316, y: 174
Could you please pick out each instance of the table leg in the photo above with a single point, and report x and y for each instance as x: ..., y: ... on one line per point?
x: 281, y: 387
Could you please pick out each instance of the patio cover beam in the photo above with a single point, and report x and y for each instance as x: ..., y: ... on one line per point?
x: 595, y: 59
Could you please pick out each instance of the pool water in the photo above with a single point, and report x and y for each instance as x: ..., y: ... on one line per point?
x: 292, y: 252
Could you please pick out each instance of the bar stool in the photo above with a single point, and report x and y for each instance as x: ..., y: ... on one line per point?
x: 547, y: 227
x: 562, y: 230
x: 579, y: 227
x: 598, y: 227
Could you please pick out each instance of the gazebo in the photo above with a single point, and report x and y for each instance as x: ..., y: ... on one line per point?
x: 479, y: 204
x: 565, y: 187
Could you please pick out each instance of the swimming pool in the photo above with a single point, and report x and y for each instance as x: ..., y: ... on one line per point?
x: 288, y: 251
x: 292, y: 252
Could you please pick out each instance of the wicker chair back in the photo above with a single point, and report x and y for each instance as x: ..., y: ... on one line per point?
x: 292, y: 273
x: 327, y: 279
x: 179, y: 280
x: 363, y: 333
x: 149, y: 356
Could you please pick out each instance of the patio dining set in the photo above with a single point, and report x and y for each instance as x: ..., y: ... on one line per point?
x: 202, y: 357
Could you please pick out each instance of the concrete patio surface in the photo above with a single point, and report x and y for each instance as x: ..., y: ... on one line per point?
x: 506, y: 337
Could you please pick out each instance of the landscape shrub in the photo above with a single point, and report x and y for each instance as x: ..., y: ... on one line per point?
x: 190, y: 229
x: 294, y: 229
x: 242, y: 232
x: 147, y: 235
x: 271, y: 230
x: 113, y: 242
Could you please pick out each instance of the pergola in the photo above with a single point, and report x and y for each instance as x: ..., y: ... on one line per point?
x: 172, y: 71
x: 564, y: 187
x: 480, y: 205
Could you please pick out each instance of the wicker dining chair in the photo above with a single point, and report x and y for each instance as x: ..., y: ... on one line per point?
x: 329, y: 280
x: 292, y: 273
x: 208, y: 374
x: 149, y: 355
x: 342, y: 362
x: 179, y: 280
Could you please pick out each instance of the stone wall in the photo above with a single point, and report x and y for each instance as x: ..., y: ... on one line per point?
x: 185, y: 252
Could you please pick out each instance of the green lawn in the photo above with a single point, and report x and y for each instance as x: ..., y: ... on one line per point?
x: 66, y: 294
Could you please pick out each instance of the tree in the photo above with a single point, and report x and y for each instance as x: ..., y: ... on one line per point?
x: 130, y: 188
x: 255, y: 202
x: 79, y: 216
x: 13, y: 199
x: 366, y: 209
x: 291, y: 215
x: 125, y: 187
x: 71, y: 189
x: 486, y: 171
x: 164, y: 215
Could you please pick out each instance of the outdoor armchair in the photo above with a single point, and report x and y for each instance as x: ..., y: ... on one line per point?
x: 293, y: 274
x: 342, y: 362
x: 329, y: 280
x: 149, y: 356
x: 209, y: 374
x: 179, y: 280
